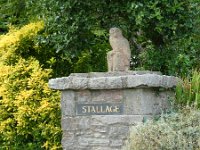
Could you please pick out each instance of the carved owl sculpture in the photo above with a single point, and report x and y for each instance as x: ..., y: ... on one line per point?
x: 119, y: 58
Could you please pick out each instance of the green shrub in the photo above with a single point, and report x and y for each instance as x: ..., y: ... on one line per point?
x: 188, y: 92
x: 29, y: 110
x: 177, y: 131
x: 164, y: 35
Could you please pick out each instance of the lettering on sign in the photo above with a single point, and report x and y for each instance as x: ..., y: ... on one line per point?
x: 99, y: 109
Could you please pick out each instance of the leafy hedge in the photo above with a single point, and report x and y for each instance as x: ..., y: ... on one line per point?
x: 29, y: 110
x: 164, y: 35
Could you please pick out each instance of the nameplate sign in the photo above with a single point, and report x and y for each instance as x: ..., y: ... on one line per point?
x: 99, y: 109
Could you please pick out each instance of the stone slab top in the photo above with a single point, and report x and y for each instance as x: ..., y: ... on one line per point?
x: 113, y: 74
x: 113, y: 80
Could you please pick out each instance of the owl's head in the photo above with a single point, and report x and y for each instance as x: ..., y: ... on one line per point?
x: 115, y: 32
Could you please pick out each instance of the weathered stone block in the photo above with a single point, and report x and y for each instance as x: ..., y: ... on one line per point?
x: 118, y: 132
x: 140, y: 94
x: 68, y: 103
x: 84, y: 123
x: 113, y: 83
x: 119, y: 119
x: 116, y: 80
x: 68, y: 140
x: 97, y: 83
x: 146, y: 101
x: 79, y: 83
x: 93, y: 141
x: 116, y: 143
x: 107, y: 96
x: 69, y: 123
x: 105, y: 148
x: 83, y: 96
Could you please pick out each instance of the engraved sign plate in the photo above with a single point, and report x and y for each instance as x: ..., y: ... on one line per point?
x: 99, y: 109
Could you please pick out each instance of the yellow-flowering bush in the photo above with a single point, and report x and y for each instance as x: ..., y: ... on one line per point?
x: 29, y: 110
x: 14, y: 36
x: 10, y: 42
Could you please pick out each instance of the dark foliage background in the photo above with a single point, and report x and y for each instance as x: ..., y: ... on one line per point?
x: 164, y: 35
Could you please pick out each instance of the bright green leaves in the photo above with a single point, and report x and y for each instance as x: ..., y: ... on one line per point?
x: 188, y: 92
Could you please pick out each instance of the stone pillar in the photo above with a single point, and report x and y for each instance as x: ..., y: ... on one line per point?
x: 98, y: 108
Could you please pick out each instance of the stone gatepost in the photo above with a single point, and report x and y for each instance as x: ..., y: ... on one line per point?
x: 98, y: 108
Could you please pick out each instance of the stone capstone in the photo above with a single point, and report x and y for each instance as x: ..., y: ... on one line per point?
x: 117, y: 80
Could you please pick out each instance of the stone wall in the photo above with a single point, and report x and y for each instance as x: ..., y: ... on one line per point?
x: 124, y: 99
